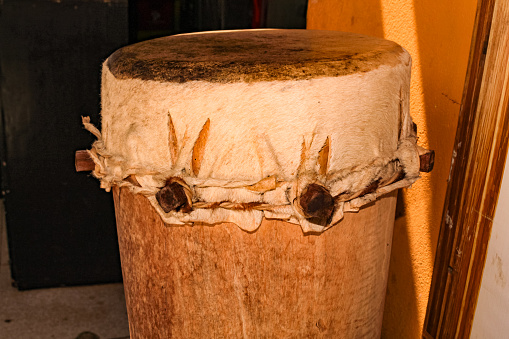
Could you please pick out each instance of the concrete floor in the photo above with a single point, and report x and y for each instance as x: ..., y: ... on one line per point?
x: 88, y: 312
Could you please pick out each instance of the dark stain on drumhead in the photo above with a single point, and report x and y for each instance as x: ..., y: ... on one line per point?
x: 252, y: 55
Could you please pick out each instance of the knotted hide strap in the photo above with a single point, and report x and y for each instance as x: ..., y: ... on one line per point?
x: 316, y: 198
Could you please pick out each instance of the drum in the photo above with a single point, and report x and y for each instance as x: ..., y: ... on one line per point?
x: 254, y: 176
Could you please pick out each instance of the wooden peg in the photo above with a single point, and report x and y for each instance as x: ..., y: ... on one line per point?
x: 316, y: 202
x: 172, y: 197
x: 427, y: 161
x: 83, y: 162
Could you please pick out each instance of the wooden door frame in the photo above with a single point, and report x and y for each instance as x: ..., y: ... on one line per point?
x: 477, y: 167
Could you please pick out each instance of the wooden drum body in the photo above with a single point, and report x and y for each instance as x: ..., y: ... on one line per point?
x: 234, y: 157
x: 222, y: 282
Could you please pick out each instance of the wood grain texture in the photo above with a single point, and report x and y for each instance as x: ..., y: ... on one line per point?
x: 476, y: 171
x: 221, y: 282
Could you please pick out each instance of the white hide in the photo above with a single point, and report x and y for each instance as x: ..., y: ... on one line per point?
x: 257, y: 130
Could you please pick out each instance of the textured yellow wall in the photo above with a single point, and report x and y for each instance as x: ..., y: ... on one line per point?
x: 437, y: 34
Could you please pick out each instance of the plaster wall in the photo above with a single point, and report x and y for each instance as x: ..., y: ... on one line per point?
x: 492, y: 310
x: 437, y: 34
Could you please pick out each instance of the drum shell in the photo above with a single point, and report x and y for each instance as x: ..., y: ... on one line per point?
x: 219, y: 281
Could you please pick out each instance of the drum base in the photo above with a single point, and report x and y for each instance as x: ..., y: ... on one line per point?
x: 221, y: 282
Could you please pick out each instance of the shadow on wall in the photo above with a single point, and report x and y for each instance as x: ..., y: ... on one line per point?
x: 443, y: 77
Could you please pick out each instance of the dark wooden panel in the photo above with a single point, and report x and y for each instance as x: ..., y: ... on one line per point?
x: 156, y: 18
x: 61, y: 227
